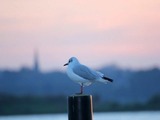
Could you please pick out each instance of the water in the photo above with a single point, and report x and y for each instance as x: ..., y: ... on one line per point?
x: 149, y: 115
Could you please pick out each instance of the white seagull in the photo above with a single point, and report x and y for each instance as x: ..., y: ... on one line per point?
x: 83, y: 75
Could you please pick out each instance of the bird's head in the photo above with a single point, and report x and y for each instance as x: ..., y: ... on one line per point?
x: 72, y: 60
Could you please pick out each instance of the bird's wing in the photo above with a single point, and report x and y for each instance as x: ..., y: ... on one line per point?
x: 85, y: 72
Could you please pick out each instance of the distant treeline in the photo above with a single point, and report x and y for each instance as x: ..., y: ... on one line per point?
x: 12, y: 105
x: 152, y: 104
x: 129, y: 85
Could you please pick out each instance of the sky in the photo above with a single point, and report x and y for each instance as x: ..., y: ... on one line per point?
x: 97, y: 32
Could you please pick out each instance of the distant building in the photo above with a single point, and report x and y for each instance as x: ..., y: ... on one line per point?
x: 36, y: 62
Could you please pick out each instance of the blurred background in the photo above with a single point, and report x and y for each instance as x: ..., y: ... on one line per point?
x: 120, y: 38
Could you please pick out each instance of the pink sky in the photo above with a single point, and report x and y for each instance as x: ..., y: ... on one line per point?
x: 122, y: 32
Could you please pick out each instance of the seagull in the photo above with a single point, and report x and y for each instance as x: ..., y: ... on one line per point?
x: 84, y: 75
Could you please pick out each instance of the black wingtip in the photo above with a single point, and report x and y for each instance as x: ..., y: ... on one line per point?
x: 109, y: 79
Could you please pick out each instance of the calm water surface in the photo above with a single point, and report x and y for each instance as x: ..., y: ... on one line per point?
x: 151, y: 115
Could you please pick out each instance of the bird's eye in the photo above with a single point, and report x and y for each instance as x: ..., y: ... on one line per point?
x: 70, y: 60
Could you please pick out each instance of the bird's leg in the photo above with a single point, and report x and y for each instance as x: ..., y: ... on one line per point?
x: 81, y: 89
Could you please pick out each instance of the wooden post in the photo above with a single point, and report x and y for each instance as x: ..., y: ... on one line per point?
x: 80, y: 107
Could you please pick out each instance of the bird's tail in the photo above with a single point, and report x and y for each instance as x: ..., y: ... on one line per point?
x: 104, y: 79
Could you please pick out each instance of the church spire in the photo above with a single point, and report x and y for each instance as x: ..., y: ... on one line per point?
x: 36, y: 62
